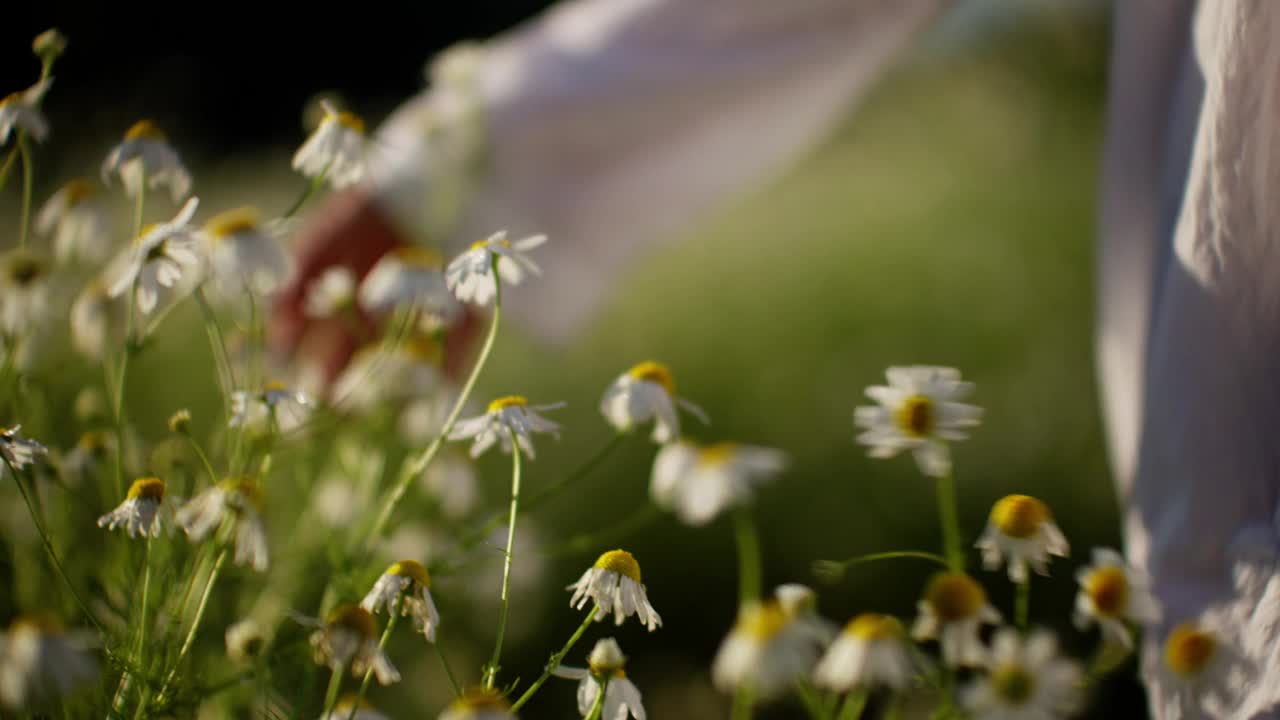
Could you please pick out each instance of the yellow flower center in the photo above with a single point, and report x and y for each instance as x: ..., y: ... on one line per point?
x: 508, y: 401
x: 348, y: 120
x: 621, y: 562
x: 1108, y: 589
x: 354, y: 618
x: 955, y: 596
x: 480, y: 699
x: 1020, y: 516
x: 424, y: 349
x: 762, y: 621
x: 1189, y: 649
x: 418, y: 257
x: 717, y: 454
x: 484, y: 244
x: 94, y: 441
x: 12, y: 98
x: 77, y: 191
x: 915, y: 416
x: 1013, y: 684
x: 655, y: 372
x: 411, y: 569
x: 873, y: 627
x: 144, y: 128
x: 232, y: 222
x: 351, y: 701
x: 25, y: 270
x: 149, y: 487
x: 245, y: 487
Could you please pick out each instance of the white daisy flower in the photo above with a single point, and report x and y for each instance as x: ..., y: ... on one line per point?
x: 40, y: 663
x: 352, y: 707
x: 470, y: 275
x: 1114, y: 594
x: 237, y: 500
x: 93, y: 448
x: 1022, y: 529
x: 162, y: 256
x: 801, y: 602
x: 870, y: 652
x: 244, y: 255
x: 17, y: 450
x: 643, y: 393
x: 139, y: 514
x: 405, y: 276
x: 917, y: 412
x: 606, y: 664
x: 332, y: 293
x: 336, y: 149
x: 22, y: 110
x: 79, y: 224
x: 24, y: 293
x: 244, y: 640
x: 1202, y: 670
x: 349, y: 640
x: 478, y: 704
x: 953, y: 609
x: 145, y: 154
x: 409, y: 372
x: 95, y: 320
x: 410, y: 579
x: 276, y: 405
x: 767, y: 650
x: 700, y: 482
x: 613, y: 584
x: 506, y: 417
x: 1026, y: 680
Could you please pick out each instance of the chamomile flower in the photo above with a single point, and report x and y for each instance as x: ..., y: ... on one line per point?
x: 1026, y: 680
x: 478, y: 704
x: 276, y: 405
x: 643, y: 393
x: 17, y: 450
x: 95, y: 320
x: 917, y: 411
x: 235, y: 500
x: 606, y: 664
x: 408, y: 582
x: 1022, y: 529
x: 24, y: 293
x: 700, y: 482
x: 353, y: 707
x: 145, y: 155
x: 349, y: 640
x: 767, y: 650
x: 953, y: 609
x: 139, y: 514
x: 1202, y: 670
x: 39, y: 662
x: 870, y: 652
x: 507, y: 418
x: 244, y: 255
x: 79, y: 223
x: 244, y: 640
x: 162, y: 256
x: 470, y: 275
x: 92, y: 449
x: 801, y: 602
x: 332, y: 293
x: 22, y: 110
x: 1114, y: 595
x: 613, y: 583
x: 408, y: 276
x: 336, y: 150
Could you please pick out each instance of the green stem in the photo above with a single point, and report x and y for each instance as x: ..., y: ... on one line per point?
x: 24, y: 220
x: 950, y: 521
x: 307, y: 192
x: 853, y: 706
x: 742, y: 701
x: 556, y: 659
x: 146, y: 599
x: 392, y: 617
x: 8, y: 165
x: 218, y: 345
x: 832, y: 571
x: 598, y: 706
x: 448, y: 670
x: 1022, y: 603
x: 117, y: 398
x: 812, y: 702
x: 204, y: 459
x: 195, y: 622
x: 331, y: 695
x: 491, y: 672
x: 749, y: 565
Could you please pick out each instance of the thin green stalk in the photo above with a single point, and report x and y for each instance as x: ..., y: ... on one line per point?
x: 24, y: 220
x: 491, y: 671
x: 743, y: 700
x: 331, y: 695
x: 393, y: 616
x: 195, y: 622
x: 853, y: 706
x: 950, y: 521
x: 448, y: 670
x: 812, y: 701
x: 204, y: 459
x: 598, y: 706
x: 126, y: 678
x: 556, y: 659
x: 307, y: 192
x: 8, y: 165
x: 117, y: 398
x: 832, y: 571
x: 218, y: 345
x: 749, y: 565
x: 1022, y: 603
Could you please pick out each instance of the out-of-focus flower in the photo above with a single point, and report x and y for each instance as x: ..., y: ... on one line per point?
x: 79, y: 223
x: 49, y: 45
x: 767, y: 650
x: 871, y: 652
x: 952, y: 610
x: 408, y: 582
x: 92, y: 449
x: 409, y: 372
x: 470, y: 275
x: 1022, y: 529
x: 506, y: 418
x: 162, y: 256
x: 244, y: 640
x: 801, y: 603
x: 275, y: 406
x: 605, y: 664
x: 349, y: 640
x: 22, y: 110
x: 244, y: 255
x: 146, y: 155
x: 643, y: 393
x: 917, y: 411
x: 39, y: 662
x: 409, y: 276
x: 24, y: 293
x: 17, y: 450
x: 237, y: 500
x: 1113, y: 594
x: 613, y: 583
x: 94, y: 320
x: 352, y: 707
x: 332, y: 293
x: 451, y: 480
x: 1026, y: 680
x: 1203, y: 670
x: 139, y: 514
x: 478, y: 704
x: 700, y: 482
x: 336, y: 149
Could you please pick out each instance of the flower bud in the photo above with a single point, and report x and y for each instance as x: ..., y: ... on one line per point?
x: 49, y: 45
